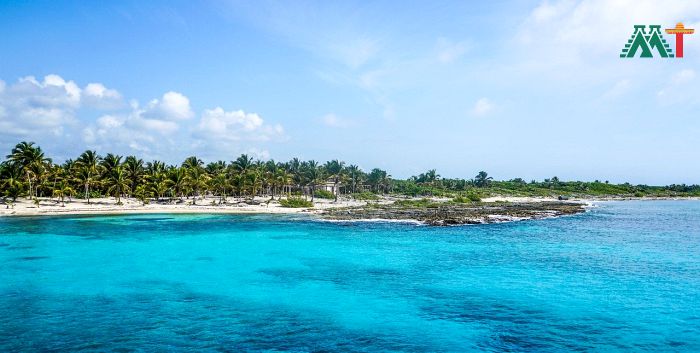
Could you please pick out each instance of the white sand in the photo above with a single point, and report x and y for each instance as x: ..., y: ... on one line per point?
x: 518, y: 199
x: 49, y: 206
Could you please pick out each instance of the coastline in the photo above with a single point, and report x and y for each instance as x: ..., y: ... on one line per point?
x: 322, y: 207
x: 108, y: 206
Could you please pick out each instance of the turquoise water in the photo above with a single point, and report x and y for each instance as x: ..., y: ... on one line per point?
x: 623, y: 277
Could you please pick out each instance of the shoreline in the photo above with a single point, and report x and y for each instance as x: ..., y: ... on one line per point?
x: 108, y: 206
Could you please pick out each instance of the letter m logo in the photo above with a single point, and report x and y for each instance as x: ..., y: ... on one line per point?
x: 646, y: 41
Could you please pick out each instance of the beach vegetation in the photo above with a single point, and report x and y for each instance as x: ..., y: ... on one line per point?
x: 324, y: 194
x: 28, y: 172
x: 296, y: 202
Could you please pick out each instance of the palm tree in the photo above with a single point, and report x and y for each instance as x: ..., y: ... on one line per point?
x: 219, y: 183
x: 354, y: 172
x: 31, y: 161
x: 177, y: 180
x: 197, y: 179
x: 255, y: 180
x: 242, y: 166
x: 87, y: 164
x: 296, y: 168
x: 196, y: 176
x: 155, y: 167
x: 135, y: 171
x: 156, y: 176
x: 313, y: 175
x: 143, y: 193
x: 334, y: 169
x: 109, y: 163
x: 11, y: 180
x: 61, y: 190
x: 379, y: 179
x: 269, y: 170
x: 192, y: 162
x: 282, y: 179
x: 430, y: 178
x: 215, y: 168
x: 117, y: 183
x: 482, y: 179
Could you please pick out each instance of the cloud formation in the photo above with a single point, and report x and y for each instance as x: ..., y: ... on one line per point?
x: 55, y: 109
x: 482, y: 107
x: 98, y: 96
x: 172, y: 106
x: 43, y: 107
x: 236, y: 126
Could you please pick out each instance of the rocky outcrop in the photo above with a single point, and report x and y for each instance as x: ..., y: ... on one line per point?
x: 447, y: 213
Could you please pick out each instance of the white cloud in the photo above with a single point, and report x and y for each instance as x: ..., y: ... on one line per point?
x: 172, y: 106
x: 39, y: 107
x: 482, y: 107
x: 109, y: 122
x: 52, y: 109
x: 573, y: 46
x: 131, y: 131
x: 257, y: 153
x: 332, y: 120
x: 219, y: 133
x: 98, y: 96
x: 53, y: 91
x: 448, y: 51
x: 236, y: 126
x: 48, y: 107
x: 592, y: 28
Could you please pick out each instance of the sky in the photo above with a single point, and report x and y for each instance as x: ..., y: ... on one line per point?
x: 529, y: 89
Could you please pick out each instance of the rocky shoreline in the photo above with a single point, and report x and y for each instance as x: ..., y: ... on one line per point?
x: 446, y: 214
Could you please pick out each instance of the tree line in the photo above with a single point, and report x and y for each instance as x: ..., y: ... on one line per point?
x: 27, y: 171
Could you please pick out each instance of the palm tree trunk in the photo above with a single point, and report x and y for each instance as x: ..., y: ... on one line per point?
x: 29, y: 179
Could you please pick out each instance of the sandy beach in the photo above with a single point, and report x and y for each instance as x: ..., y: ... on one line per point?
x: 108, y: 205
x: 49, y: 206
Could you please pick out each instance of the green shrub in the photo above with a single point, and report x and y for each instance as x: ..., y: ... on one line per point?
x: 296, y: 202
x: 468, y: 198
x: 638, y: 194
x: 324, y: 194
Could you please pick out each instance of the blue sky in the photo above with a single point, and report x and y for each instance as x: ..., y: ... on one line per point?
x: 527, y: 89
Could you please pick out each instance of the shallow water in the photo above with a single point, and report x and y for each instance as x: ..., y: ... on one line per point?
x: 623, y: 277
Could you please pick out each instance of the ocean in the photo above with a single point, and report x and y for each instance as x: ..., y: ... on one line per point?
x: 624, y: 276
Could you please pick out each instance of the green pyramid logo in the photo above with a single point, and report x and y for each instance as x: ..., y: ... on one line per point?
x: 645, y: 41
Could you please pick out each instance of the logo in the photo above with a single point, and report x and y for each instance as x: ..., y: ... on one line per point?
x: 645, y: 41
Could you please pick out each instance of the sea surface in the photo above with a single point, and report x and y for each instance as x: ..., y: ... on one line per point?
x: 623, y: 277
